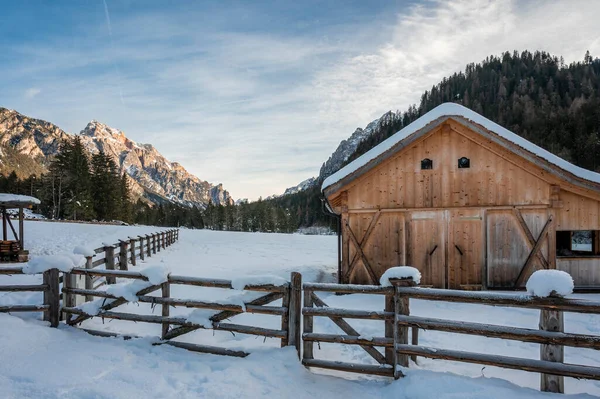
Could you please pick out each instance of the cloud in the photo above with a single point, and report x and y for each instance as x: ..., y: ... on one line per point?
x: 257, y: 107
x: 32, y: 92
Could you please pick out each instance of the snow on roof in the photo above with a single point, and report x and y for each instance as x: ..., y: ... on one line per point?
x: 16, y: 200
x: 453, y: 109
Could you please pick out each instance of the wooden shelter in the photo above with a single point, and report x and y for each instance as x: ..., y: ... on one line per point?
x: 467, y: 202
x: 14, y: 250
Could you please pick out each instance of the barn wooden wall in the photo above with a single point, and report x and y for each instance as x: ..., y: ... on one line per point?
x: 463, y: 228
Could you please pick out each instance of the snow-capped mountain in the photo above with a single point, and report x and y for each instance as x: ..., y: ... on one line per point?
x: 152, y: 175
x: 301, y: 187
x: 347, y: 147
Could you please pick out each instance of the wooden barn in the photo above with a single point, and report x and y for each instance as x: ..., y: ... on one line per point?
x: 467, y: 202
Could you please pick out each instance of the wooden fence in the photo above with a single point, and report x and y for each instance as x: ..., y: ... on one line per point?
x: 129, y: 252
x: 173, y: 327
x: 120, y: 255
x: 395, y: 339
x: 49, y: 286
x: 396, y: 317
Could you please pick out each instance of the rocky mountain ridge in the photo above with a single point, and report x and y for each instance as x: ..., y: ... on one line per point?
x: 345, y: 149
x: 152, y: 176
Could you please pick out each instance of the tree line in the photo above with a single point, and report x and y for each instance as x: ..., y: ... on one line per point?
x: 77, y: 186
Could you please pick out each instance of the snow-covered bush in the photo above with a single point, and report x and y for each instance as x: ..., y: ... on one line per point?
x: 400, y: 272
x: 544, y: 283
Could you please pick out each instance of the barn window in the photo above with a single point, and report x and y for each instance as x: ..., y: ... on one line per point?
x: 464, y: 163
x: 427, y: 164
x: 578, y: 243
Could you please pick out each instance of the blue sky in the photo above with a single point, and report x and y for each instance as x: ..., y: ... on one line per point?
x: 256, y: 95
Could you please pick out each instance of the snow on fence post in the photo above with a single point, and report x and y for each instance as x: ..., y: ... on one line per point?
x: 154, y: 243
x: 165, y: 289
x: 52, y: 297
x: 295, y: 311
x: 122, y: 255
x: 109, y: 255
x: 89, y: 282
x: 162, y: 234
x: 132, y: 249
x: 142, y: 251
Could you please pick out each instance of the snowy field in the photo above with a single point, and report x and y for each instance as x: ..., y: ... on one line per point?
x: 50, y: 363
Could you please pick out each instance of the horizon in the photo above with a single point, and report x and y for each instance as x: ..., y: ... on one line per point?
x: 258, y: 96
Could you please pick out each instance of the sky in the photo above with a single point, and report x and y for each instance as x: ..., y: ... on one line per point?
x: 257, y: 95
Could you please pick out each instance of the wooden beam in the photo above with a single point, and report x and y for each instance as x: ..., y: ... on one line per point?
x: 349, y: 367
x: 504, y: 299
x: 536, y: 366
x: 549, y: 337
x: 349, y: 288
x: 348, y: 339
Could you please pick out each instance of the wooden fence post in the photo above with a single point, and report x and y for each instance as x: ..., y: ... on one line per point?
x: 285, y: 318
x: 68, y: 299
x: 401, y: 307
x: 52, y: 297
x: 142, y: 251
x: 132, y: 249
x: 552, y: 320
x: 295, y: 311
x: 154, y: 243
x: 122, y: 255
x: 166, y: 293
x: 390, y: 356
x: 89, y: 282
x: 163, y: 239
x: 307, y: 321
x: 109, y: 254
x: 148, y: 248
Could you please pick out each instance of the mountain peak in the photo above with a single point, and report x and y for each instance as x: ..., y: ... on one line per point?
x: 153, y: 177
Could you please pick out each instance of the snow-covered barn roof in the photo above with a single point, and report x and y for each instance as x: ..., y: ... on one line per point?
x: 17, y: 201
x: 472, y: 120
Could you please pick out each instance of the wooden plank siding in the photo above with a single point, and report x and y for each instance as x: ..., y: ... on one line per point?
x: 459, y: 226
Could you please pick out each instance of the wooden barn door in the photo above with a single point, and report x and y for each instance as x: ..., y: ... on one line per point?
x: 376, y: 242
x: 466, y: 249
x: 518, y: 243
x: 426, y: 240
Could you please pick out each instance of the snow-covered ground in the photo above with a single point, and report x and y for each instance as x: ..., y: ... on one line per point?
x: 50, y: 363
